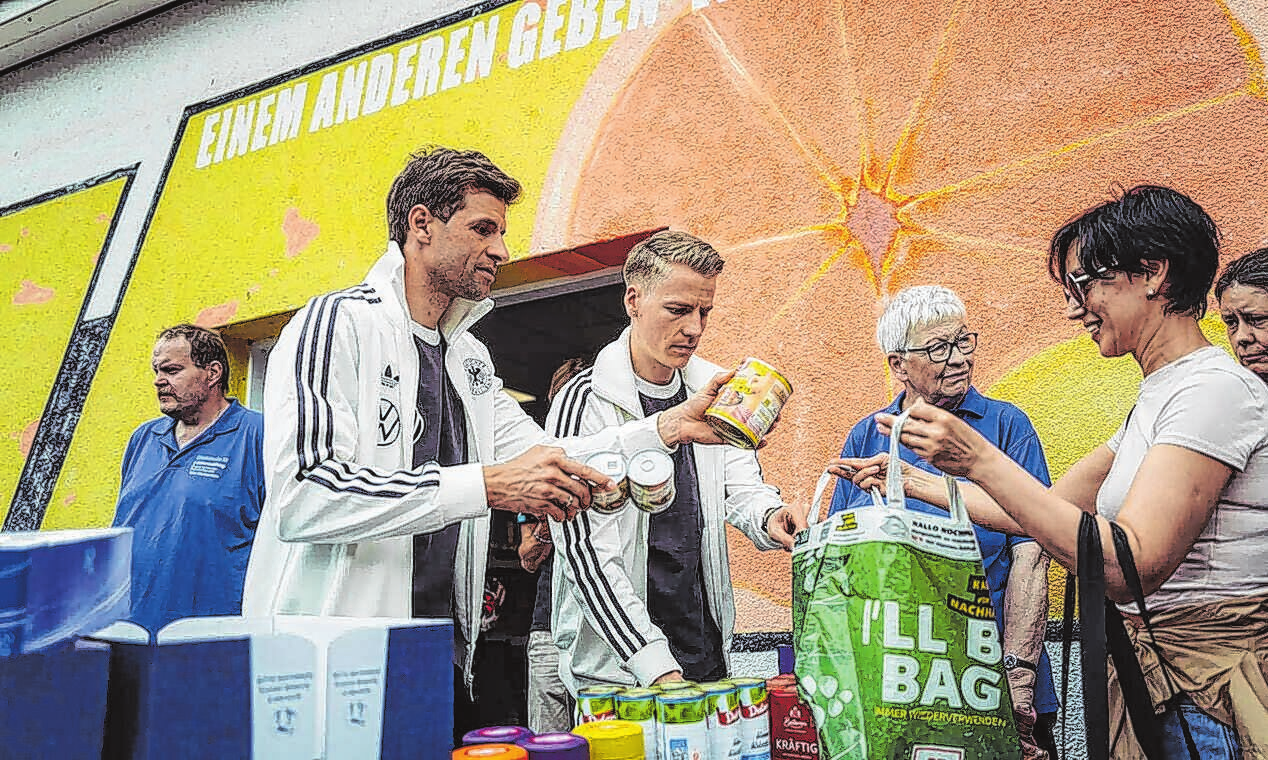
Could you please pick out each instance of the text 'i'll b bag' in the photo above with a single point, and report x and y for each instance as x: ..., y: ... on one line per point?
x: 898, y: 651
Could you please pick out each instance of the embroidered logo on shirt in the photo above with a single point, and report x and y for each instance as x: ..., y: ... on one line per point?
x: 389, y: 423
x: 205, y: 466
x: 479, y: 375
x: 389, y: 379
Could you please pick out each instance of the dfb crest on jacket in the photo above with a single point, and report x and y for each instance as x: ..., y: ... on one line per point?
x: 479, y: 375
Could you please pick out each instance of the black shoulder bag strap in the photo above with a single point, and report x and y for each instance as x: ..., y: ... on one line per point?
x: 1131, y: 680
x: 1135, y: 692
x: 1091, y: 577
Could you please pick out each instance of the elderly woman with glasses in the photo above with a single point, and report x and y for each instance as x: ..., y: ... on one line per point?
x: 924, y: 335
x: 1185, y: 476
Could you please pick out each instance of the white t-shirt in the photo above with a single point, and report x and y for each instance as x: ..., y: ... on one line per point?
x: 1208, y: 403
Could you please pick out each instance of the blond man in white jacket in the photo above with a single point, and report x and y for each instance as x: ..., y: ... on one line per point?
x: 388, y: 438
x: 639, y: 598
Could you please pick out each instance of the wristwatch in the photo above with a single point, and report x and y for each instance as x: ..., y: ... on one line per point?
x: 766, y: 518
x: 1012, y: 661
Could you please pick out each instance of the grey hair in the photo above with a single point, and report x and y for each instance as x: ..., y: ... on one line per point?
x: 648, y: 262
x: 911, y: 309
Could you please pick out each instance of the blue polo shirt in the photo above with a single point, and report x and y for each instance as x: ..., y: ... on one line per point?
x: 193, y: 512
x: 1004, y: 425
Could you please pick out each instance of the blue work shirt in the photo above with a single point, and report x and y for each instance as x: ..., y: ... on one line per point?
x: 1007, y: 427
x: 193, y: 512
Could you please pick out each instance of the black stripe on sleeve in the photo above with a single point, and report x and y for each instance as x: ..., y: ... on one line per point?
x: 315, y: 430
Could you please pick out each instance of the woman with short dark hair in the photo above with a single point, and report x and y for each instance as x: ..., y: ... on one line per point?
x: 1185, y: 477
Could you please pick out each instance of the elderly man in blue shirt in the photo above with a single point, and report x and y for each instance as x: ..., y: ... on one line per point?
x: 192, y: 485
x: 930, y: 350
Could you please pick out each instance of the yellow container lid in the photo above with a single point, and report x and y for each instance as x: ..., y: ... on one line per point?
x: 490, y: 752
x: 613, y: 739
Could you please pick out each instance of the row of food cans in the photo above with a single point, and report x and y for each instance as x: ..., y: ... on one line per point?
x: 646, y: 478
x: 719, y: 720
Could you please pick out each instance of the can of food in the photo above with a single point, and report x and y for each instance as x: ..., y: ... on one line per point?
x: 754, y: 718
x: 668, y: 686
x: 748, y: 405
x: 639, y: 706
x: 722, y: 715
x: 496, y: 735
x: 595, y: 703
x: 651, y: 476
x: 684, y: 734
x: 612, y: 464
x: 612, y: 740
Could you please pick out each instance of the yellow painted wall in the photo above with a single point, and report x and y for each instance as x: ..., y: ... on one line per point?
x: 48, y: 252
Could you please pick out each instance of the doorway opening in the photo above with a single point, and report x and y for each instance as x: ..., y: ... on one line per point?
x: 529, y: 339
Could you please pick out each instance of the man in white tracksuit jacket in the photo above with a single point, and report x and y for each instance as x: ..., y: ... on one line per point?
x: 640, y: 599
x: 361, y: 517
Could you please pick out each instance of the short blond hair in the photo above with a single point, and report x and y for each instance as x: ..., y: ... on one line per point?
x: 649, y: 261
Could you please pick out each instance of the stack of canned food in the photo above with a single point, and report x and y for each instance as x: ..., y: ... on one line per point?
x: 735, y: 719
x: 647, y: 479
x: 721, y: 720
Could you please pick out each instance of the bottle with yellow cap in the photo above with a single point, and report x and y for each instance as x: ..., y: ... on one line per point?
x: 613, y: 739
x: 490, y: 752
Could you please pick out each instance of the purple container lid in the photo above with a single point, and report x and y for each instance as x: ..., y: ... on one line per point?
x: 556, y: 747
x: 496, y: 735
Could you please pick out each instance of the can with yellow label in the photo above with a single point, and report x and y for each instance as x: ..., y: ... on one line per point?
x: 747, y: 406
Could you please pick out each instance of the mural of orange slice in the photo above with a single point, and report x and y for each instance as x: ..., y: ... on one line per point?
x: 839, y: 151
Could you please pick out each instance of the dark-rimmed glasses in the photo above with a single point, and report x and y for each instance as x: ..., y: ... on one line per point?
x: 941, y: 351
x: 1077, y: 282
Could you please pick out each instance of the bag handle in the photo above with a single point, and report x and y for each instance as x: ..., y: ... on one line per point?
x: 816, y: 503
x: 894, y: 496
x: 955, y: 502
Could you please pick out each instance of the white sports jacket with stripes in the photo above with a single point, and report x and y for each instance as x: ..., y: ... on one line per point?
x: 600, y: 619
x: 343, y: 501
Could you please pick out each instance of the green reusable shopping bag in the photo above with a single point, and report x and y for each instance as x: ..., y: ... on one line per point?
x: 898, y: 652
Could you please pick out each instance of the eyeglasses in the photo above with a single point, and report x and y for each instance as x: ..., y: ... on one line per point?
x: 1077, y: 282
x: 941, y: 351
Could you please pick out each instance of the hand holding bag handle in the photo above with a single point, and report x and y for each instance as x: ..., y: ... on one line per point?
x: 894, y: 497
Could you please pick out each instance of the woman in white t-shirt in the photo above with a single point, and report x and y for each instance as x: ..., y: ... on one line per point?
x: 1185, y: 476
